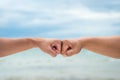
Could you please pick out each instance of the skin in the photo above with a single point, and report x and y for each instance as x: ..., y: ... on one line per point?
x: 10, y: 46
x: 108, y: 46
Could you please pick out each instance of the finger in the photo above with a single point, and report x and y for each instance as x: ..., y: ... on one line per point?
x: 64, y: 55
x: 70, y: 53
x: 52, y: 52
x: 56, y: 45
x: 66, y: 46
x: 55, y: 48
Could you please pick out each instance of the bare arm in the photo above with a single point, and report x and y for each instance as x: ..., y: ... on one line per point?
x: 10, y: 46
x: 109, y: 46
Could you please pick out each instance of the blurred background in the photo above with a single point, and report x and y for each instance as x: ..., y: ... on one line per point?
x: 60, y: 19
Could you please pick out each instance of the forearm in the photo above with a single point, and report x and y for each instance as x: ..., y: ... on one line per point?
x: 109, y: 46
x: 10, y: 46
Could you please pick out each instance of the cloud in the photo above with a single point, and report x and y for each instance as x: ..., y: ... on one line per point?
x: 87, y: 14
x: 66, y: 16
x: 82, y: 30
x: 60, y: 18
x: 38, y: 13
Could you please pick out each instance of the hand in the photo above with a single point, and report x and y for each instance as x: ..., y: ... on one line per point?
x: 50, y: 46
x: 71, y: 47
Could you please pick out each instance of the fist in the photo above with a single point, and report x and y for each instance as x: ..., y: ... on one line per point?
x: 71, y: 47
x: 50, y: 46
x: 53, y: 47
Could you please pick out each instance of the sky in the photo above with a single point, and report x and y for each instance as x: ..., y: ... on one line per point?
x: 59, y: 18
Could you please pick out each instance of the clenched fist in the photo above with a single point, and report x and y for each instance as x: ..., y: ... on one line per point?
x: 71, y: 47
x: 50, y: 46
x: 108, y: 46
x: 53, y: 47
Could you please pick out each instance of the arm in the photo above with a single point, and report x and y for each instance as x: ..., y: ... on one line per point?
x: 13, y: 45
x: 10, y: 46
x: 109, y: 46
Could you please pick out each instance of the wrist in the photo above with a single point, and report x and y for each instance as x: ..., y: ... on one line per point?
x: 84, y: 42
x: 35, y: 42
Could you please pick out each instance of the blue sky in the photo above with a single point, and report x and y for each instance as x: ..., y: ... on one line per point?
x: 59, y: 18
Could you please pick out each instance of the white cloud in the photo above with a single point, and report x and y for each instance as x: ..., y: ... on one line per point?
x: 48, y: 13
x: 83, y: 30
x: 66, y: 16
x: 88, y: 14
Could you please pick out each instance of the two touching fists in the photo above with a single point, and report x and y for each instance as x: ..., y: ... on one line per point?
x: 109, y: 46
x: 65, y: 47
